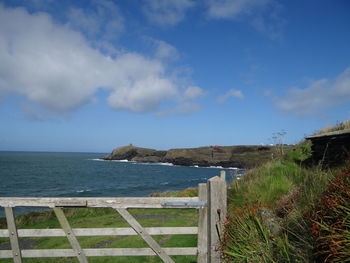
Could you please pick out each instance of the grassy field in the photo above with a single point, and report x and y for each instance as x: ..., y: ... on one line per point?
x: 99, y: 218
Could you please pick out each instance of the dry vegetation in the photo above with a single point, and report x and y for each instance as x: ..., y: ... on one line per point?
x: 345, y: 125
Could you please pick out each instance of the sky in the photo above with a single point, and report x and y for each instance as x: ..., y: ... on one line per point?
x: 93, y: 75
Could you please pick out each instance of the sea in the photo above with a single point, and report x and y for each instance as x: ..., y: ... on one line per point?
x: 52, y: 174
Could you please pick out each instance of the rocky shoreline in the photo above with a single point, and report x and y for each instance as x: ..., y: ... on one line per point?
x: 244, y: 157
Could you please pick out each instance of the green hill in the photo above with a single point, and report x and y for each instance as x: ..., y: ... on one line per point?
x: 291, y: 209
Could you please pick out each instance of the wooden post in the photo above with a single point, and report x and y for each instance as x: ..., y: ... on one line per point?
x: 217, y: 205
x: 146, y: 237
x: 11, y: 225
x: 223, y: 175
x: 224, y: 197
x: 70, y: 235
x: 202, y: 225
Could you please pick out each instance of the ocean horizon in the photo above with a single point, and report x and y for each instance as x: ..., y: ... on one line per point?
x: 67, y: 174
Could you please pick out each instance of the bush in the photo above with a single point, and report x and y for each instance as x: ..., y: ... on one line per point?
x: 300, y: 152
x: 331, y: 221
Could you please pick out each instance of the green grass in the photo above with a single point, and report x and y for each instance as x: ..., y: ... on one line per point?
x: 189, y: 192
x: 267, y: 183
x: 99, y: 218
x: 291, y: 192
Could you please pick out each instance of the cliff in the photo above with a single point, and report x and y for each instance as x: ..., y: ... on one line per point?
x: 225, y: 156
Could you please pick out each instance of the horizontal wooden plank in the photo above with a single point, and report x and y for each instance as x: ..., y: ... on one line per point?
x: 184, y: 204
x: 99, y: 252
x: 127, y: 231
x: 4, y: 233
x: 113, y: 202
x: 5, y: 253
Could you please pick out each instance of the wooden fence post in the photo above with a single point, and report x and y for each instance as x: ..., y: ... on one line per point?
x: 217, y: 205
x: 202, y: 225
x: 11, y: 226
x: 70, y: 235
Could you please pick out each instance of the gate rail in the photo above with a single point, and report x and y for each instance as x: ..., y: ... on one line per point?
x: 211, y: 203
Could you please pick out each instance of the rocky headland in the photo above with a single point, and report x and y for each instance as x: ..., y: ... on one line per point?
x: 225, y: 156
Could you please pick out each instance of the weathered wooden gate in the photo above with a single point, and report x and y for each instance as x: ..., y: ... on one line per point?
x: 211, y: 203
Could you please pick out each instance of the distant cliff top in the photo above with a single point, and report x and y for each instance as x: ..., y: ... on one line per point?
x: 225, y: 156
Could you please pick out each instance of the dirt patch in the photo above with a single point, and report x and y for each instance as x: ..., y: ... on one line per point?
x: 23, y: 244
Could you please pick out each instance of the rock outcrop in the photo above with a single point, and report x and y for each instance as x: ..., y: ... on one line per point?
x: 225, y: 156
x: 137, y: 154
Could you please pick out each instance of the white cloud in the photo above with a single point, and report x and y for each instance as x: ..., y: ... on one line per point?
x: 165, y: 50
x: 144, y: 94
x: 54, y: 66
x: 103, y: 21
x: 193, y: 92
x: 263, y: 15
x: 321, y: 94
x: 230, y: 93
x: 88, y: 23
x: 185, y: 108
x: 233, y: 8
x: 166, y: 12
x: 186, y: 104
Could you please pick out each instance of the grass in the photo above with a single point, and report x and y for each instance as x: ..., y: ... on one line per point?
x: 267, y: 183
x: 101, y: 217
x: 189, y: 192
x: 331, y: 221
x: 294, y: 197
x: 345, y: 125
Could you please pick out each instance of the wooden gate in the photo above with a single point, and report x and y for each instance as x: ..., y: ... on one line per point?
x: 211, y: 203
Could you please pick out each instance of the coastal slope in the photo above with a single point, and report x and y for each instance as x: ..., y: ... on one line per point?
x: 225, y: 156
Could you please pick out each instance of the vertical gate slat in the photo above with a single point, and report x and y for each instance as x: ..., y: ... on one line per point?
x: 217, y: 205
x: 11, y: 225
x: 202, y: 225
x: 70, y: 235
x: 143, y: 233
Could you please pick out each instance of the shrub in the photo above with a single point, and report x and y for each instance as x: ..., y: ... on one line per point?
x: 331, y: 221
x: 300, y: 152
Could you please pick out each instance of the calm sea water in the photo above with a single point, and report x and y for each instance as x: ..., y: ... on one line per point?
x: 26, y: 174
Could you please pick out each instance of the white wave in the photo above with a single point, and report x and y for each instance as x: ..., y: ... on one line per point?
x: 165, y: 183
x: 164, y: 164
x: 120, y: 161
x: 82, y: 191
x: 167, y: 164
x: 217, y: 167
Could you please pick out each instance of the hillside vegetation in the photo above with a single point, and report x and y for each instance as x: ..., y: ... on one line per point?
x: 345, y: 125
x: 286, y: 211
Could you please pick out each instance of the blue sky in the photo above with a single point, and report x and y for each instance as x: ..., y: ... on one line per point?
x: 94, y: 75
